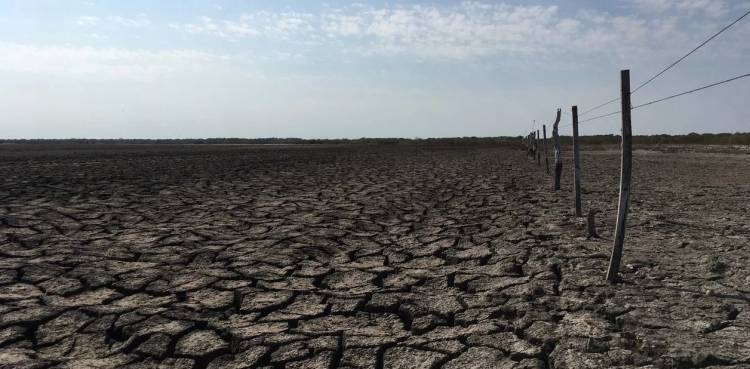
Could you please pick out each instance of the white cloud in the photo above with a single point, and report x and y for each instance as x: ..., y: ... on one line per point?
x: 221, y: 28
x: 342, y: 25
x: 102, y: 63
x: 474, y: 30
x: 140, y: 21
x: 464, y: 31
x: 87, y: 20
x: 712, y: 8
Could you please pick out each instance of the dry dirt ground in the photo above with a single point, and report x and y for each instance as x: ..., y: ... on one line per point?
x: 366, y: 257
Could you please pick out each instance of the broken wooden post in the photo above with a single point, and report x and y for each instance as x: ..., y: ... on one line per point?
x: 546, y: 157
x: 576, y: 164
x: 538, y: 152
x: 625, y: 176
x: 591, y: 224
x: 558, y: 155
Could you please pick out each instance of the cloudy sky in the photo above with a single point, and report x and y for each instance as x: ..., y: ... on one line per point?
x: 262, y: 68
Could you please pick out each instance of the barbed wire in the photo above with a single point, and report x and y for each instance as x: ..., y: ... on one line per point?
x: 665, y: 98
x: 690, y: 53
x: 670, y: 66
x: 593, y: 118
x: 690, y: 91
x: 598, y: 106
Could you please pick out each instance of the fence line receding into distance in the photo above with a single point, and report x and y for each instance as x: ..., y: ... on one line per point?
x: 532, y: 146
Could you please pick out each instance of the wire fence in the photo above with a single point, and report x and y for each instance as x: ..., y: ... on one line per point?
x: 626, y: 107
x: 661, y: 73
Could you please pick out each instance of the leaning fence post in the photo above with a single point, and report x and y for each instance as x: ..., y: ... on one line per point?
x: 576, y: 164
x: 625, y: 176
x: 538, y: 152
x: 546, y: 157
x: 558, y: 155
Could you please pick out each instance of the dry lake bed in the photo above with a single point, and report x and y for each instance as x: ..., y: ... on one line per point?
x: 392, y: 256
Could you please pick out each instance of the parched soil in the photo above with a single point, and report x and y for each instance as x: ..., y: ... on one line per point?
x: 367, y: 257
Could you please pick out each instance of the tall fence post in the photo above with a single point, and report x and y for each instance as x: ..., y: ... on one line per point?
x: 625, y: 177
x: 558, y: 154
x: 546, y: 157
x: 576, y: 164
x: 538, y: 152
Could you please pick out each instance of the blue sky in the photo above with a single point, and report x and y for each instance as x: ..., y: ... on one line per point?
x: 157, y: 69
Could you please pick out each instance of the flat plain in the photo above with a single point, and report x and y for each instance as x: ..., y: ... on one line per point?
x: 392, y: 256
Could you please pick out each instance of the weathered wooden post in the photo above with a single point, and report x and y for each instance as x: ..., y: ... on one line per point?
x: 531, y: 140
x: 531, y: 146
x: 576, y: 164
x: 558, y: 155
x: 525, y: 143
x: 625, y: 176
x: 591, y: 224
x: 538, y: 152
x: 528, y: 145
x: 546, y: 157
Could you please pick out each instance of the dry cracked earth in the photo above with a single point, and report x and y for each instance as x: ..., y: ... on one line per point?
x: 366, y: 257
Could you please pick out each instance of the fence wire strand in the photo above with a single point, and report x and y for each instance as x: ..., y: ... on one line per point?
x: 690, y: 53
x: 691, y: 91
x: 664, y: 98
x: 598, y: 106
x: 670, y: 66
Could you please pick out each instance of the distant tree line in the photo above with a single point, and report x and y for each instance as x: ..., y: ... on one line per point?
x: 692, y: 138
x: 271, y: 141
x: 689, y: 139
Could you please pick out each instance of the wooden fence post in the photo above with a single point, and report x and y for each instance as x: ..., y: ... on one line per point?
x: 591, y: 224
x: 538, y: 152
x: 576, y: 164
x: 528, y: 139
x: 528, y: 145
x: 546, y: 157
x: 625, y: 176
x: 525, y: 142
x: 558, y: 155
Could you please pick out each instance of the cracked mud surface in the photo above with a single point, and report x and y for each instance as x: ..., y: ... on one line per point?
x: 367, y: 257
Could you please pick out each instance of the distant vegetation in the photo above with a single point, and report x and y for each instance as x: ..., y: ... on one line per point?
x: 692, y: 138
x: 273, y: 141
x: 689, y: 139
